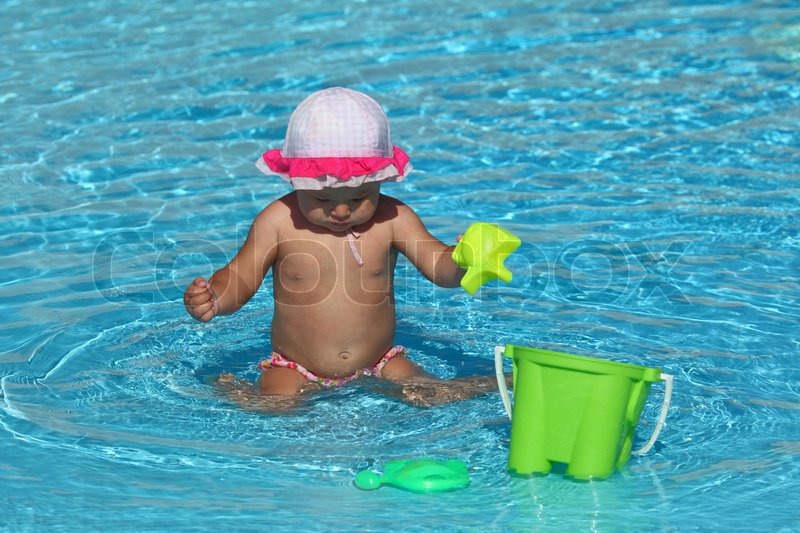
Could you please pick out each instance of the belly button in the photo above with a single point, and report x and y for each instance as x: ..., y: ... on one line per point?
x: 344, y: 355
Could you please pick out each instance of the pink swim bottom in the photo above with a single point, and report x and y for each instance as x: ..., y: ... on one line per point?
x: 280, y: 361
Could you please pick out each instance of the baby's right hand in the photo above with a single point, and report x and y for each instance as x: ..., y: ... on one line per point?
x: 200, y: 300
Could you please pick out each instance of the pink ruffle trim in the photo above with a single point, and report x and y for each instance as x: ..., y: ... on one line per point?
x: 365, y: 169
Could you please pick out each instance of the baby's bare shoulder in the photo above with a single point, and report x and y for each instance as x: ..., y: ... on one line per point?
x: 277, y: 212
x: 398, y: 212
x: 393, y: 209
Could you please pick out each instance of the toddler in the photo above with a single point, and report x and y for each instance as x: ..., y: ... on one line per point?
x: 332, y: 245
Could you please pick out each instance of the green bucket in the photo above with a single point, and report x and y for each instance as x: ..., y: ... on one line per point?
x: 575, y: 410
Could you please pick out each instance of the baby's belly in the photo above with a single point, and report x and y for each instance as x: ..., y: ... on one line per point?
x: 333, y: 346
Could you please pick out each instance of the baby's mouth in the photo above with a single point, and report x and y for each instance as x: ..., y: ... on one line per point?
x: 339, y: 225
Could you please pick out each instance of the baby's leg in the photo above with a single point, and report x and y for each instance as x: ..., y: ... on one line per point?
x: 417, y: 387
x: 274, y: 395
x: 281, y: 381
x: 401, y: 367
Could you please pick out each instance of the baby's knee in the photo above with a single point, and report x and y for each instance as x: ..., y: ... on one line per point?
x: 401, y: 367
x: 281, y: 381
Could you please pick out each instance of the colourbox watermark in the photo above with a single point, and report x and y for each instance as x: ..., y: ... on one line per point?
x: 136, y: 267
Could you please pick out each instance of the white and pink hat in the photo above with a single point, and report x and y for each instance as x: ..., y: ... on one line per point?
x: 336, y: 138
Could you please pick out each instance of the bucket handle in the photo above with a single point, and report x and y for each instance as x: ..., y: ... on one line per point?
x: 501, y: 378
x: 499, y: 351
x: 662, y: 416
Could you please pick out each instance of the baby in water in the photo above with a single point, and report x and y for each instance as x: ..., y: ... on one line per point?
x: 332, y: 244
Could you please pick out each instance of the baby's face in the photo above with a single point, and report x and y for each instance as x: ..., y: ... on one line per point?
x: 340, y: 208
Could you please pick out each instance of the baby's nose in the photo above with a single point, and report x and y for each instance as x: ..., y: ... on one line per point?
x: 341, y: 211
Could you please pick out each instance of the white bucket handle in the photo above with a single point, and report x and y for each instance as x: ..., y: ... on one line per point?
x: 501, y: 378
x: 662, y: 416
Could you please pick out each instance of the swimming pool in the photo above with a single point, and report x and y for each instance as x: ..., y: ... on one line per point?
x: 646, y: 153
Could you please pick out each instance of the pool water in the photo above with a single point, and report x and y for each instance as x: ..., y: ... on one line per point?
x: 646, y: 153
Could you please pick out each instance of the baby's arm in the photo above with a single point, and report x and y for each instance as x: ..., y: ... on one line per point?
x: 233, y: 285
x: 431, y: 256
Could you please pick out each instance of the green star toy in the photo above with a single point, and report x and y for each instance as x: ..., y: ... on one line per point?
x: 481, y: 251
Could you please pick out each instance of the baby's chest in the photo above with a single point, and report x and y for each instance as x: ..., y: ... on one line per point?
x: 312, y: 263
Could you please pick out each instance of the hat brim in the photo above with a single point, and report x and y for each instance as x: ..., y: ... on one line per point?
x: 315, y: 173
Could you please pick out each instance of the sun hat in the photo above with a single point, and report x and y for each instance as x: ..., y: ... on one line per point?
x: 336, y: 137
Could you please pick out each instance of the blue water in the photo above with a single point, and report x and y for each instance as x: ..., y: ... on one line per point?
x: 647, y: 154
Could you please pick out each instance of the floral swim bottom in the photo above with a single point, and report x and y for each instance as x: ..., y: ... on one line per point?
x: 279, y: 360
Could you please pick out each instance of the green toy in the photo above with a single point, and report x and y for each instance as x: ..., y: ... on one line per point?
x: 417, y: 475
x: 575, y: 410
x: 481, y: 251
